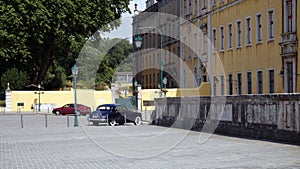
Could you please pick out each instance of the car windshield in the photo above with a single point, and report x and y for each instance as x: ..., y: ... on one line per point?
x: 105, y: 108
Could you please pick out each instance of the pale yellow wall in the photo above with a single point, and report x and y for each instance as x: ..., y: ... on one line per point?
x: 59, y: 98
x: 151, y: 94
x: 263, y: 56
x: 93, y: 98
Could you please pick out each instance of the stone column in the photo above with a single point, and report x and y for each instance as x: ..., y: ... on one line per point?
x: 8, y: 99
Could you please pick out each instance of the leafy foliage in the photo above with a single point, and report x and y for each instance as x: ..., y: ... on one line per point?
x: 17, y: 79
x: 36, y: 33
x: 114, y: 60
x: 56, y: 78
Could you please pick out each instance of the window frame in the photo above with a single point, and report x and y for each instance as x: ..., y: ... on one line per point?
x: 260, y: 90
x: 239, y: 33
x: 222, y: 78
x: 270, y: 25
x: 248, y: 30
x: 196, y: 7
x: 203, y: 4
x: 214, y: 2
x: 271, y: 80
x: 249, y: 82
x: 230, y: 84
x: 204, y: 43
x: 214, y: 39
x: 239, y: 78
x: 230, y: 37
x: 222, y: 38
x: 259, y: 29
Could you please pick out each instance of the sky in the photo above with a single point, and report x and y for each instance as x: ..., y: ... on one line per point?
x: 125, y: 30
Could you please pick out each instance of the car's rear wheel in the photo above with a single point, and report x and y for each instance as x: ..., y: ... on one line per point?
x: 138, y: 121
x: 57, y: 113
x: 113, y: 123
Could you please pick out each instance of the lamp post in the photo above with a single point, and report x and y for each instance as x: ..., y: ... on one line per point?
x: 165, y: 81
x: 39, y: 93
x: 39, y: 86
x: 136, y: 94
x: 138, y: 41
x: 75, y: 73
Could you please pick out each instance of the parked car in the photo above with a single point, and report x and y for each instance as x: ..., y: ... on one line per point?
x: 114, y: 114
x: 70, y: 109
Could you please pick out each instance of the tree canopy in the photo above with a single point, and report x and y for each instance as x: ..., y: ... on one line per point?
x: 118, y: 58
x: 43, y: 37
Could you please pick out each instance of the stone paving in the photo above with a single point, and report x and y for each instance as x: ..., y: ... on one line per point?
x: 146, y: 146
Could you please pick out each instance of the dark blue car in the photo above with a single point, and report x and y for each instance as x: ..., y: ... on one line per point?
x: 114, y: 114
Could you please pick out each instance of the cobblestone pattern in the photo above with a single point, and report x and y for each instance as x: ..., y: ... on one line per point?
x: 59, y: 146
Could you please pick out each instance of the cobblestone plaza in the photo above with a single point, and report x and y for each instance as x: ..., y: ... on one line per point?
x: 146, y: 146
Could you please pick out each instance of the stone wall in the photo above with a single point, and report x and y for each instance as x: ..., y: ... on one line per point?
x: 272, y: 117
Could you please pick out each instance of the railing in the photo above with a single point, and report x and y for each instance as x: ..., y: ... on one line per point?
x: 289, y: 37
x: 289, y: 43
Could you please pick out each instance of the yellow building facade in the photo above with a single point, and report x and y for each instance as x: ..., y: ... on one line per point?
x: 247, y: 46
x: 238, y: 46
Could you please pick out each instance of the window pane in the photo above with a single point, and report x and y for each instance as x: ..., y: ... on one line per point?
x: 249, y: 83
x: 271, y: 81
x: 230, y: 92
x: 239, y: 81
x: 260, y: 82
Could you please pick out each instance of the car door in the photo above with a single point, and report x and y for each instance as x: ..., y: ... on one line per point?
x: 63, y: 109
x: 68, y: 109
x: 124, y: 112
x: 71, y: 109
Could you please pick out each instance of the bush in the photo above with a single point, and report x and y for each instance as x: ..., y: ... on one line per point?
x: 2, y: 103
x: 17, y: 79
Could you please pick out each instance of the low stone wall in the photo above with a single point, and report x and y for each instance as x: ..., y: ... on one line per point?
x: 272, y: 117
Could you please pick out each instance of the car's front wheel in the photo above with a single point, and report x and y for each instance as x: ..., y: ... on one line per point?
x: 113, y: 122
x: 138, y: 120
x: 57, y: 113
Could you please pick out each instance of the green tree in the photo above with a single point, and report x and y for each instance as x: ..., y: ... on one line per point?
x: 56, y: 78
x: 115, y: 59
x: 35, y: 33
x: 17, y: 79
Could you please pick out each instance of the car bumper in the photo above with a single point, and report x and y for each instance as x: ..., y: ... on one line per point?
x: 102, y: 120
x: 97, y: 120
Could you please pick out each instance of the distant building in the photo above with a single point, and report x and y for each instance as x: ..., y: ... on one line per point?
x: 124, y: 77
x: 121, y: 86
x: 157, y: 30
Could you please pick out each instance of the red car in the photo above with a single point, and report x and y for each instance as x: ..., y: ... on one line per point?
x: 69, y: 109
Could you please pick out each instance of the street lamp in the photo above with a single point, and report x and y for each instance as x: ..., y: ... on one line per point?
x: 75, y: 73
x: 39, y: 93
x: 165, y: 81
x: 39, y: 86
x: 136, y: 94
x: 138, y: 41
